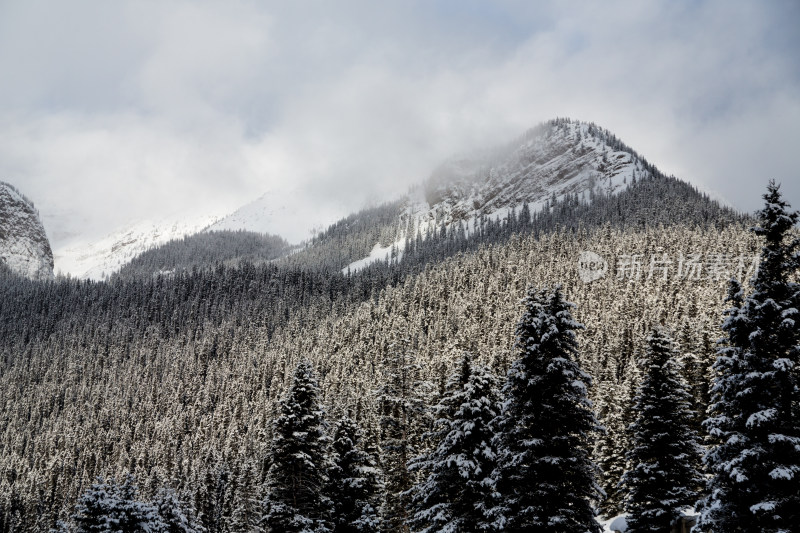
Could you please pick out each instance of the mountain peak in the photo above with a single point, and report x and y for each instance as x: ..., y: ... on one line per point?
x: 550, y: 161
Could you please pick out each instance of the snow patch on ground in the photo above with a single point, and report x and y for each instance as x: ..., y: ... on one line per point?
x: 378, y: 253
x: 618, y: 523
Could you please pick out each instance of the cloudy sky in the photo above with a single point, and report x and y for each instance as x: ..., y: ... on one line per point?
x: 116, y: 111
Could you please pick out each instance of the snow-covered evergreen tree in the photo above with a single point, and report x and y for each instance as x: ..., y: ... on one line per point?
x: 456, y: 492
x: 545, y: 478
x: 663, y: 478
x: 245, y: 504
x: 296, y: 501
x: 755, y: 465
x: 108, y: 506
x: 612, y: 404
x: 177, y: 515
x: 401, y: 408
x: 354, y: 482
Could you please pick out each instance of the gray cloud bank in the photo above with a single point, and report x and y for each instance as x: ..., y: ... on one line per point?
x: 115, y: 111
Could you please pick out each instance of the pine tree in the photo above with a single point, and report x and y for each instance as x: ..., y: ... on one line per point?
x: 755, y: 466
x: 663, y: 478
x: 296, y: 500
x: 545, y: 478
x: 456, y: 492
x: 114, y: 507
x: 354, y: 485
x: 609, y: 453
x: 695, y: 367
x: 245, y: 504
x: 211, y: 494
x: 401, y: 404
x: 177, y: 515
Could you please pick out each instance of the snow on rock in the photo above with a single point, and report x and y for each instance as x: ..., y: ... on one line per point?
x: 550, y: 161
x: 556, y: 159
x: 24, y: 247
x: 618, y: 523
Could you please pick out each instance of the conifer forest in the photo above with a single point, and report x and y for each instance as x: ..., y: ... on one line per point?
x: 480, y: 378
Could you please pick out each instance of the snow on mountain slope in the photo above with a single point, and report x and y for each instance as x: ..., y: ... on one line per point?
x: 24, y: 247
x: 556, y: 159
x: 100, y: 258
x: 261, y: 216
x: 283, y: 213
x: 553, y: 160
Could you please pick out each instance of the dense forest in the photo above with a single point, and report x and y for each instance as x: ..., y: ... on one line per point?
x: 172, y: 393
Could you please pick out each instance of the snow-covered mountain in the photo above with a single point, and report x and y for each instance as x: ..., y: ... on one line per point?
x: 24, y: 247
x: 555, y: 159
x: 280, y: 212
x: 261, y: 216
x: 549, y: 162
x: 99, y: 258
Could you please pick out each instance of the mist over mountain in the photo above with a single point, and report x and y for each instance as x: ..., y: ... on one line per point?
x: 327, y: 270
x: 557, y: 160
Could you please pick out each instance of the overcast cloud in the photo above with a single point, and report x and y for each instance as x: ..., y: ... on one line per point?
x: 115, y: 111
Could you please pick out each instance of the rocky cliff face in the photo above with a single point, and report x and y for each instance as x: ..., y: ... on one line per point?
x: 24, y: 247
x: 558, y: 158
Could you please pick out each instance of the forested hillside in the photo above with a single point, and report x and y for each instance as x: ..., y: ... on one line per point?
x: 175, y: 379
x: 205, y: 250
x: 178, y: 387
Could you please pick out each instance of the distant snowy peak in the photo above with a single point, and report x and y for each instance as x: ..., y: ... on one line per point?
x: 280, y: 212
x: 24, y: 247
x: 100, y: 258
x: 552, y: 160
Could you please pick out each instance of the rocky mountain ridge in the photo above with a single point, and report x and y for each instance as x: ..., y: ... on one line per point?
x: 24, y: 247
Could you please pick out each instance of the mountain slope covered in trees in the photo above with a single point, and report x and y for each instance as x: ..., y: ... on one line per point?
x: 178, y: 378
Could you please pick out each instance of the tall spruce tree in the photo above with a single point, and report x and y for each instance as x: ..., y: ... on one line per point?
x: 177, y: 515
x: 755, y: 465
x: 401, y: 404
x: 456, y: 493
x: 354, y: 482
x: 664, y: 451
x: 609, y: 452
x: 296, y: 501
x: 545, y: 478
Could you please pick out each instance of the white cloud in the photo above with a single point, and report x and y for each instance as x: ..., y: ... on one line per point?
x: 130, y: 109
